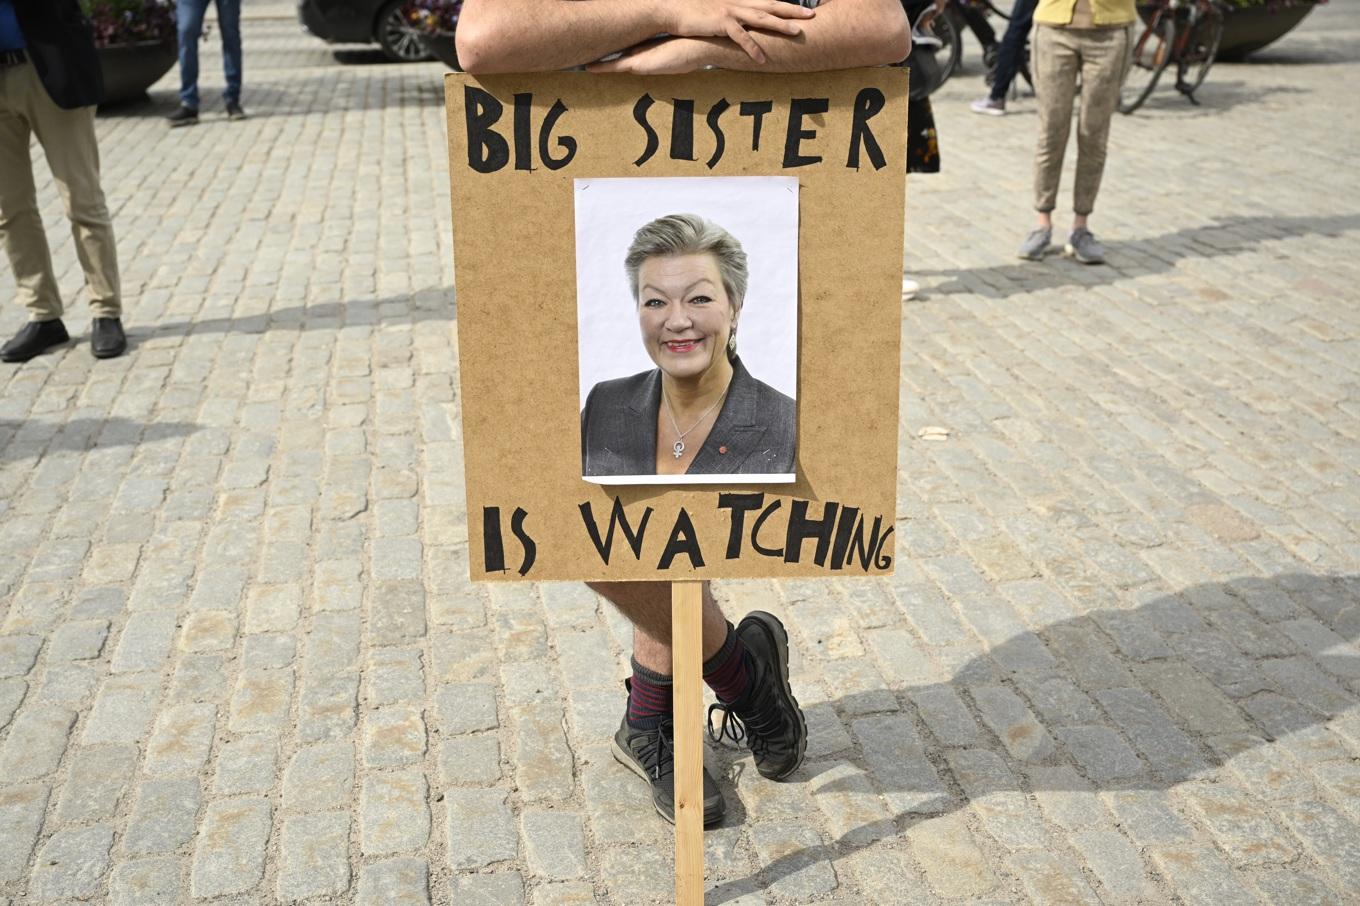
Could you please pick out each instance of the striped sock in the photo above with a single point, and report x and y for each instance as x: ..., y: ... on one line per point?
x: 649, y: 698
x: 728, y: 672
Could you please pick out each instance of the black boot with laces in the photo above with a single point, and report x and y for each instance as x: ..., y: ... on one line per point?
x: 650, y: 753
x: 767, y: 716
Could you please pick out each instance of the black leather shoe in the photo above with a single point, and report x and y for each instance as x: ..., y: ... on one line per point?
x: 768, y: 717
x: 34, y: 338
x: 650, y: 754
x: 107, y: 339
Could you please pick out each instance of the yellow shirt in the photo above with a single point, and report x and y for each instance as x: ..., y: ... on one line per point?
x: 1103, y: 13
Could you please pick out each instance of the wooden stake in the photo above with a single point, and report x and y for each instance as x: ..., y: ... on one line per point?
x: 687, y: 667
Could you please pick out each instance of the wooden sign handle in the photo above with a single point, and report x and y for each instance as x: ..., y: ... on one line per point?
x: 687, y: 669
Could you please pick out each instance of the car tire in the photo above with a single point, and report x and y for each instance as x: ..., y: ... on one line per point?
x: 399, y: 39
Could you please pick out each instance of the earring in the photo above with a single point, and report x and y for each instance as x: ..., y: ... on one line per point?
x: 732, y: 342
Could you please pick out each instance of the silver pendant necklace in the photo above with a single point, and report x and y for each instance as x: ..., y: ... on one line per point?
x: 678, y: 448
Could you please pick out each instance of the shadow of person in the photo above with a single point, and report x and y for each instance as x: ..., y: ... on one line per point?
x: 37, y: 439
x: 429, y: 304
x: 1139, y: 257
x: 1256, y: 675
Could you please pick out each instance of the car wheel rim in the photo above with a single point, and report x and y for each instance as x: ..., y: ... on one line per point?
x: 403, y: 38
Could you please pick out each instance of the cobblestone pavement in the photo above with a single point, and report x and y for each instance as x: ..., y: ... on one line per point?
x: 240, y: 662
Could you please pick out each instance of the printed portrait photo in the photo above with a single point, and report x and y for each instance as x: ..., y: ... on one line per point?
x: 687, y: 303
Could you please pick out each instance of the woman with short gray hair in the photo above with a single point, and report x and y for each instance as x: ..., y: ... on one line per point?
x: 699, y: 411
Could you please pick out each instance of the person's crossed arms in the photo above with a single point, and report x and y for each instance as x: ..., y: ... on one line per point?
x: 656, y: 37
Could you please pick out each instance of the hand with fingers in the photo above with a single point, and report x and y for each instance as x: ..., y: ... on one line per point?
x: 733, y: 19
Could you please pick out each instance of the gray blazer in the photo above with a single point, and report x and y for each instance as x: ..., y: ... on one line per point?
x: 756, y: 430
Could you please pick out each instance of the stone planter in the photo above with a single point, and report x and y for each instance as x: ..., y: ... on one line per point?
x: 442, y: 48
x: 130, y: 69
x: 1251, y: 28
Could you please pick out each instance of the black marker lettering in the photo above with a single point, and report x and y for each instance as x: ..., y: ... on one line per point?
x: 566, y: 142
x: 493, y: 547
x: 487, y: 149
x: 801, y: 528
x: 714, y: 114
x: 756, y: 110
x: 739, y: 504
x: 682, y: 541
x: 524, y: 148
x: 682, y: 129
x: 793, y: 139
x: 844, y: 526
x: 882, y: 560
x: 617, y: 517
x: 868, y: 103
x: 530, y: 549
x: 640, y: 109
x: 755, y: 532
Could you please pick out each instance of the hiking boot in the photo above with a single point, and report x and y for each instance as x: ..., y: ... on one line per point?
x: 1036, y: 244
x: 184, y: 116
x: 1082, y: 246
x: 768, y: 717
x: 234, y: 111
x: 650, y: 754
x: 989, y: 106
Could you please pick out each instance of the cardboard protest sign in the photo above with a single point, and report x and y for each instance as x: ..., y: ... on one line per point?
x: 806, y: 173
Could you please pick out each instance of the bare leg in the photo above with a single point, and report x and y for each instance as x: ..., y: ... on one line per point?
x: 647, y: 605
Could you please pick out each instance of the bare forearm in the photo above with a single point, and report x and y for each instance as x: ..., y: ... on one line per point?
x: 844, y: 34
x: 538, y: 36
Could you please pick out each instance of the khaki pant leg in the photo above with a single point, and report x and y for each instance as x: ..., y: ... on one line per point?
x: 1104, y: 63
x: 1056, y: 62
x: 72, y: 151
x: 21, y: 229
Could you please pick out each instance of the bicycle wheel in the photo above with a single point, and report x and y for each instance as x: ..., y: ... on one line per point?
x: 1199, y: 54
x: 1151, y: 55
x: 949, y: 29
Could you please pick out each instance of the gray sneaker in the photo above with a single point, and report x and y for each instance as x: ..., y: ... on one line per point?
x: 1084, y: 247
x: 989, y: 106
x: 1036, y: 244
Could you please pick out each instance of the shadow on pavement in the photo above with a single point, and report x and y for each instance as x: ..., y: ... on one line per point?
x: 434, y: 304
x: 329, y: 89
x: 34, y: 439
x: 1215, y: 96
x: 1240, y: 665
x: 1138, y: 257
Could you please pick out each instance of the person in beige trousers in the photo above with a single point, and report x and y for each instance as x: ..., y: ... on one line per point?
x: 50, y: 83
x: 1090, y: 39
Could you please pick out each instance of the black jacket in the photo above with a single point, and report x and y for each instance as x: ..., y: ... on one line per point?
x: 756, y: 430
x: 60, y: 43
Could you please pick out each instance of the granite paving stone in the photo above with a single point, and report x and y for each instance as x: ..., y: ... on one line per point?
x: 21, y: 814
x: 154, y: 882
x: 314, y: 855
x: 480, y: 828
x: 229, y: 848
x: 394, y: 811
x: 72, y: 862
x: 247, y: 764
x: 35, y: 744
x: 401, y: 882
x: 95, y: 784
x: 164, y: 815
